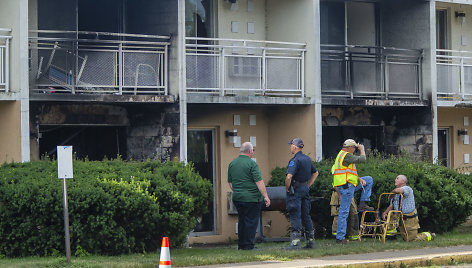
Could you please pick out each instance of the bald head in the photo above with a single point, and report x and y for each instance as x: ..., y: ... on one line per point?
x: 246, y: 148
x: 400, y: 180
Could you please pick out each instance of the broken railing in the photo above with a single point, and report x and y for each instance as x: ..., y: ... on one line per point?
x: 5, y: 36
x: 97, y: 62
x: 349, y: 71
x: 236, y: 67
x: 454, y: 74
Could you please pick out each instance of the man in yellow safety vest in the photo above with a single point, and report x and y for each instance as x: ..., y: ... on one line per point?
x: 346, y: 181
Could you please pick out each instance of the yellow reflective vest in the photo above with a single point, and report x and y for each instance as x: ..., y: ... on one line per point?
x: 343, y: 174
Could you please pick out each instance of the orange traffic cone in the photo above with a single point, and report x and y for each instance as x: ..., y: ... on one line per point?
x: 164, y: 260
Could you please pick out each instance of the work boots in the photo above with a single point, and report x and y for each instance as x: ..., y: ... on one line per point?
x: 310, y: 240
x: 294, y: 240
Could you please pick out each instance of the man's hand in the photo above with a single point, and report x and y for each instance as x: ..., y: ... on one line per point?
x: 384, y: 215
x: 363, y: 183
x: 267, y: 201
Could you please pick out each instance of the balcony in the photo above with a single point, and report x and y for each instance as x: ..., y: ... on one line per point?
x: 235, y: 67
x: 5, y: 36
x: 364, y: 72
x: 98, y: 63
x: 454, y: 74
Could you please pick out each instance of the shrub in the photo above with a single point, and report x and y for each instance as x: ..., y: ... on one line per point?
x: 115, y: 206
x: 443, y: 196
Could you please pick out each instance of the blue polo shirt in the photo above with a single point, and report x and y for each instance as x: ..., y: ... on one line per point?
x: 301, y: 167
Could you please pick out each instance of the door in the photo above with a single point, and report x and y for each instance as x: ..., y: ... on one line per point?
x: 441, y: 29
x: 443, y: 147
x: 201, y: 152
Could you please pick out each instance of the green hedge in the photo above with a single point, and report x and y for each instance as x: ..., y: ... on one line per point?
x: 443, y: 196
x: 115, y: 207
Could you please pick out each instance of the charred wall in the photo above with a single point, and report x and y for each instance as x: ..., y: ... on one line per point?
x: 386, y: 129
x: 97, y: 131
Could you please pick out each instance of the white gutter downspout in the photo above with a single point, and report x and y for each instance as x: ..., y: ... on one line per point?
x: 182, y: 82
x: 22, y: 34
x: 317, y: 73
x: 434, y: 81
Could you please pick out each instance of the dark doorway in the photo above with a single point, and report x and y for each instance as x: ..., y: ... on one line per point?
x: 333, y: 137
x: 201, y: 152
x: 92, y: 142
x: 443, y: 147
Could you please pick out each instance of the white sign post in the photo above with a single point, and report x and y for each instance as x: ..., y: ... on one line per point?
x: 65, y: 171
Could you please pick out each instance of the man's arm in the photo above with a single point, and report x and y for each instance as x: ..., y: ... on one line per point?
x: 230, y: 185
x: 312, y: 178
x: 354, y: 159
x: 384, y: 215
x: 398, y: 190
x: 261, y: 186
x: 288, y: 181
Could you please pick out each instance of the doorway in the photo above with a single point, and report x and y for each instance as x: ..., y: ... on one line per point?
x: 201, y: 152
x: 443, y: 147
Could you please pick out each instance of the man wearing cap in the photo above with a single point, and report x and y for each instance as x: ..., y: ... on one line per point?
x: 301, y: 174
x: 244, y: 178
x: 346, y: 181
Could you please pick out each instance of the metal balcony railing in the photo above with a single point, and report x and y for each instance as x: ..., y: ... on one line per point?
x: 235, y: 67
x: 98, y: 63
x: 370, y: 72
x: 454, y: 74
x: 5, y: 36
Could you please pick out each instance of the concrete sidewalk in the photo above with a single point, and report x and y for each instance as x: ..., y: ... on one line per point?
x: 411, y: 258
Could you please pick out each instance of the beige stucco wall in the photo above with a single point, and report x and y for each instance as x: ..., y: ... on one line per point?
x: 456, y: 28
x: 240, y: 14
x: 275, y: 126
x: 10, y: 140
x: 11, y: 17
x: 453, y: 119
x: 294, y: 21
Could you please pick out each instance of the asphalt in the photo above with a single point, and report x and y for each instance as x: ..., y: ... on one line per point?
x: 445, y: 256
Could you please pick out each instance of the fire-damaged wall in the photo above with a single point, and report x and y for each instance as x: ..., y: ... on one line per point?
x: 386, y: 129
x: 154, y: 132
x: 97, y: 131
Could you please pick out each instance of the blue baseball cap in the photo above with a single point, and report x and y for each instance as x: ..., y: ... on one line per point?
x: 297, y: 142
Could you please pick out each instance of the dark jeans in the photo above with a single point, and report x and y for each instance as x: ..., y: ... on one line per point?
x: 248, y: 220
x: 299, y: 206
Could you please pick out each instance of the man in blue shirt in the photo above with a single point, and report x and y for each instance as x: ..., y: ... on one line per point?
x: 301, y: 174
x: 408, y: 208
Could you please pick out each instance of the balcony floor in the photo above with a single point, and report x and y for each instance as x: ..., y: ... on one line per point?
x: 374, y: 102
x: 247, y: 99
x: 102, y: 98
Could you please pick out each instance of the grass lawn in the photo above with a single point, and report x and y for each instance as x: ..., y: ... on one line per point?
x: 194, y: 256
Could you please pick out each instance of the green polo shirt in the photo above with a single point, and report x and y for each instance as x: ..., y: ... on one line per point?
x: 243, y: 173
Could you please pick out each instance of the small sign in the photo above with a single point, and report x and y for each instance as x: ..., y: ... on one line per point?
x: 64, y: 162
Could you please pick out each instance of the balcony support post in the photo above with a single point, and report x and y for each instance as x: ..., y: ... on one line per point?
x: 166, y: 70
x: 302, y: 75
x: 7, y: 65
x: 222, y: 83
x: 462, y: 85
x: 387, y: 78
x: 264, y: 72
x: 120, y: 69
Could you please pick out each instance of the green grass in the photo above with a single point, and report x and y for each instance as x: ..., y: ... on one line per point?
x: 194, y: 256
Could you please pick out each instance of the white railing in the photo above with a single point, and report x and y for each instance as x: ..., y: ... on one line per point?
x: 98, y: 63
x: 5, y: 36
x: 349, y: 71
x: 235, y: 67
x: 454, y: 74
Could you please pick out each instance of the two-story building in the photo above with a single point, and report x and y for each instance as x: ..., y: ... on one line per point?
x: 196, y: 78
x: 454, y: 80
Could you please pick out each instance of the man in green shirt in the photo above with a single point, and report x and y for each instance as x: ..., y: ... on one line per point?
x: 244, y: 178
